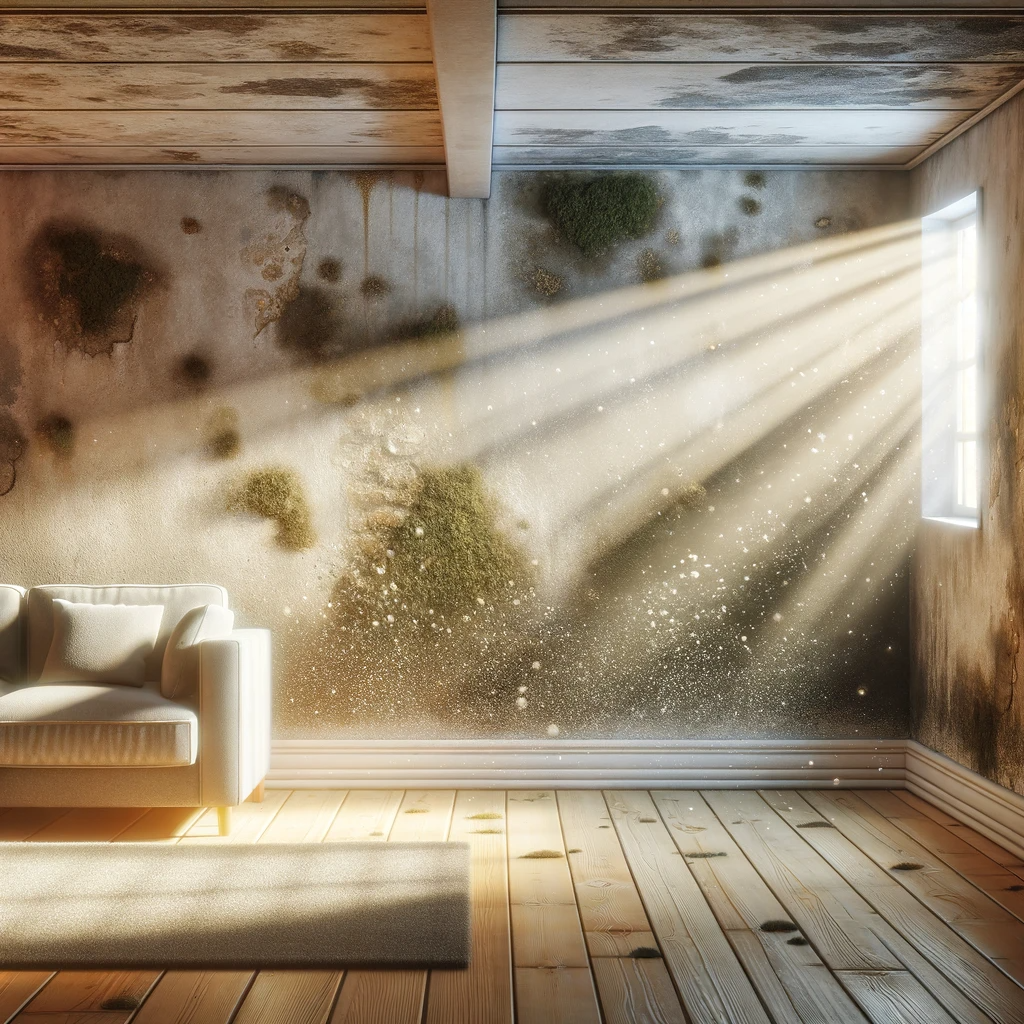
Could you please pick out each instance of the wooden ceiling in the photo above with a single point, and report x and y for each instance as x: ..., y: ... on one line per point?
x: 589, y: 83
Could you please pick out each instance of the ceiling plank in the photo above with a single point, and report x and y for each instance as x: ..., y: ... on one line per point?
x: 463, y: 37
x: 803, y: 38
x: 645, y: 86
x: 192, y: 37
x: 675, y: 128
x: 241, y: 156
x: 892, y: 157
x: 220, y: 86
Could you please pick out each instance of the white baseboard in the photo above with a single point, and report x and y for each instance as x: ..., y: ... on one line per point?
x: 530, y: 764
x: 992, y: 810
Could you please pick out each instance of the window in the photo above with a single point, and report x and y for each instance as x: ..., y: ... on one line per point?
x: 951, y: 479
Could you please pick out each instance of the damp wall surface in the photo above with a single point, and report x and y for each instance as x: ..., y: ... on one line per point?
x: 636, y: 462
x: 968, y: 592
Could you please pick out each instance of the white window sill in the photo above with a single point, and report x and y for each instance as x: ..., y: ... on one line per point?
x: 962, y: 521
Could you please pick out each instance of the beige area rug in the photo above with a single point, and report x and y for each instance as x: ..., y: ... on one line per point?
x: 89, y: 905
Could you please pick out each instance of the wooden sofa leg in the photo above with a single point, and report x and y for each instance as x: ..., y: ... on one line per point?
x: 256, y: 796
x: 224, y: 820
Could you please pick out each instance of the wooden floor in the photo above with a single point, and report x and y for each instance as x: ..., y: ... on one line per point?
x: 661, y: 907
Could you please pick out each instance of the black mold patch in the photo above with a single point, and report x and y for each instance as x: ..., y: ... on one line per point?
x: 329, y: 270
x: 397, y: 94
x: 907, y: 865
x: 645, y: 953
x: 87, y: 285
x: 440, y: 323
x: 816, y: 824
x: 374, y: 287
x: 195, y: 371
x: 779, y: 926
x: 190, y: 226
x: 650, y: 266
x: 749, y: 205
x: 182, y: 156
x: 797, y: 940
x: 123, y: 1002
x: 311, y: 324
x: 223, y: 438
x: 754, y: 179
x: 647, y: 821
x: 57, y: 432
x: 719, y: 248
x: 12, y: 447
x: 1014, y: 888
x: 10, y: 373
x: 596, y: 213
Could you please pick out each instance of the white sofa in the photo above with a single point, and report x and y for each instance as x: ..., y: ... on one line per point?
x: 92, y: 744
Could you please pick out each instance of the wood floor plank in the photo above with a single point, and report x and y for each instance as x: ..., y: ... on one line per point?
x: 194, y: 997
x: 366, y: 815
x: 306, y: 816
x: 546, y: 931
x: 556, y: 995
x: 248, y: 821
x: 996, y: 881
x: 895, y: 997
x: 76, y: 1017
x: 90, y: 992
x: 610, y: 908
x: 965, y: 982
x: 743, y: 903
x: 17, y: 988
x: 989, y: 927
x: 388, y: 997
x: 20, y: 823
x: 89, y: 825
x: 161, y: 825
x: 289, y: 997
x: 706, y: 971
x: 481, y: 994
x: 636, y: 991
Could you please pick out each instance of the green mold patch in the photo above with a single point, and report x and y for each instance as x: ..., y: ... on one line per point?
x: 444, y: 321
x: 703, y: 856
x: 574, y: 849
x: 647, y: 821
x: 755, y: 179
x: 87, y: 286
x: 57, y: 433
x: 907, y: 865
x: 329, y: 270
x: 649, y: 266
x: 779, y: 926
x: 488, y: 831
x: 749, y: 205
x: 446, y: 555
x: 418, y: 810
x: 547, y: 284
x: 816, y: 824
x: 596, y: 213
x: 12, y: 447
x: 485, y: 816
x: 195, y: 371
x: 823, y: 222
x: 276, y: 493
x: 190, y: 226
x: 645, y: 953
x: 374, y: 287
x: 542, y: 855
x: 223, y: 439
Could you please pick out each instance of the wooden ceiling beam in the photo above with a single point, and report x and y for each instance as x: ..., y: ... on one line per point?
x: 464, y: 36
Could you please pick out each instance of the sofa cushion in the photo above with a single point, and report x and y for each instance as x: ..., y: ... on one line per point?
x: 180, y: 673
x: 101, y: 643
x: 91, y: 725
x: 176, y: 600
x: 12, y: 628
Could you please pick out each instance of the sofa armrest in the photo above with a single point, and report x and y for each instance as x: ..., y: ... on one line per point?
x: 233, y: 705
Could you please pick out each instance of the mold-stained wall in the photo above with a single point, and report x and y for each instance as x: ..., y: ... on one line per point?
x: 635, y: 460
x: 969, y: 584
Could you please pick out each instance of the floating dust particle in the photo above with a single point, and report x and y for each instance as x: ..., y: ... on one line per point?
x: 57, y: 432
x: 779, y: 926
x: 546, y: 283
x: 190, y: 226
x: 542, y: 855
x: 485, y: 816
x: 329, y: 270
x: 645, y: 953
x: 277, y: 493
x: 595, y: 213
x: 907, y: 865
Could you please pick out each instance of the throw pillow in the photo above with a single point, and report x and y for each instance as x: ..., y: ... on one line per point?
x: 181, y: 656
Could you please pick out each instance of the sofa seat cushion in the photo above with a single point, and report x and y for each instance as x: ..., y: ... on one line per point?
x: 93, y: 725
